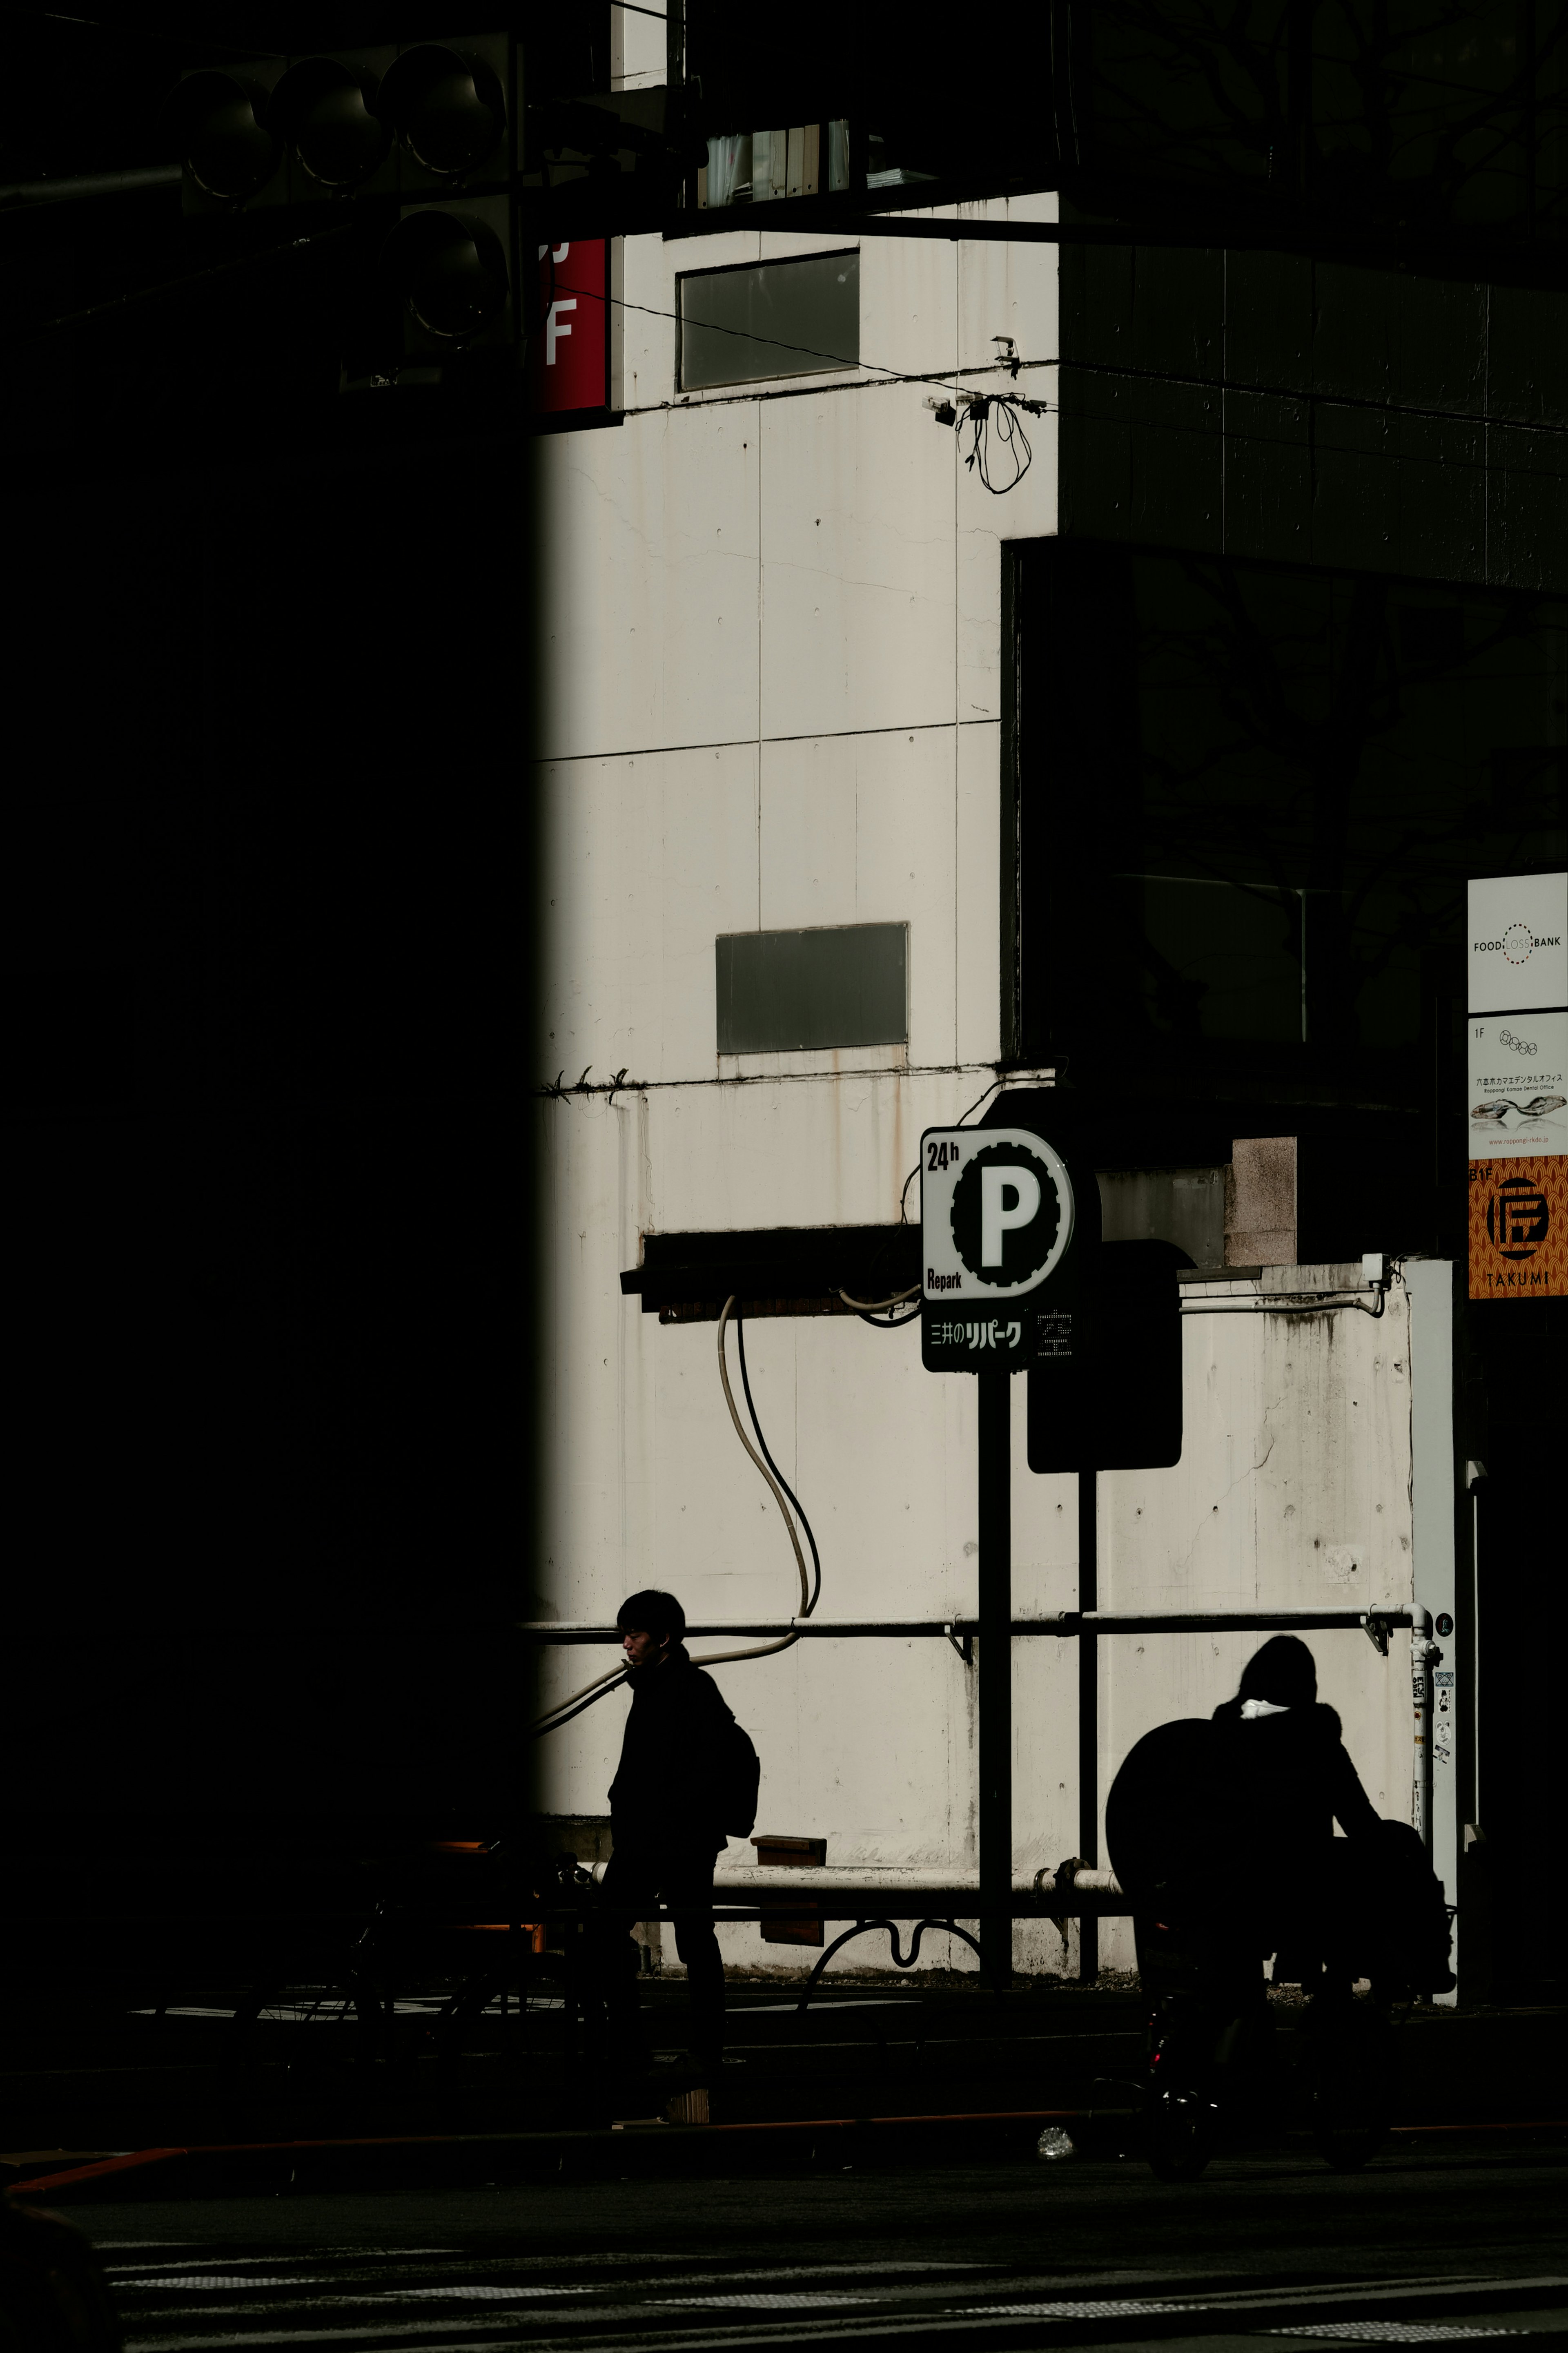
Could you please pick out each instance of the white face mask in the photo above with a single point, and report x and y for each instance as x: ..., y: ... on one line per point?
x: 1252, y: 1708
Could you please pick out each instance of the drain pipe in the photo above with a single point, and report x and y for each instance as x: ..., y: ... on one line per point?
x: 1423, y: 1656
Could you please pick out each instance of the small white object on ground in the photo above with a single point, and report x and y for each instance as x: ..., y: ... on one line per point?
x: 1055, y: 2142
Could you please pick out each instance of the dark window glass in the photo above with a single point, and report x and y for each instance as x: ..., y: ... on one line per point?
x: 786, y: 318
x: 781, y: 992
x: 1251, y: 798
x: 1368, y: 115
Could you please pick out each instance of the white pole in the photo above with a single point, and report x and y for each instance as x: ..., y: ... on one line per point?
x: 1424, y: 1655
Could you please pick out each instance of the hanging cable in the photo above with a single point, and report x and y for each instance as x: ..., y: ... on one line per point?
x: 762, y: 1650
x: 1011, y: 440
x: 588, y: 1692
x: 914, y: 1172
x: 573, y: 1704
x: 869, y: 1310
x: 778, y: 1475
x: 875, y: 1306
x: 604, y: 1684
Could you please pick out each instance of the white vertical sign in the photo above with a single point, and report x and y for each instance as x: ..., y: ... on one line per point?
x: 1518, y: 943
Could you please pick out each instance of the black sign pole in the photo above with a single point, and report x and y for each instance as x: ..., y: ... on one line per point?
x: 1087, y: 1707
x: 993, y: 1694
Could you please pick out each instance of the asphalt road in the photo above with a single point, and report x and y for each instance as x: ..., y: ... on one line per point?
x: 1443, y: 2240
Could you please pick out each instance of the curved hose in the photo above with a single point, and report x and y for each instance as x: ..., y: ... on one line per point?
x: 773, y: 1466
x: 601, y: 1685
x: 762, y: 1650
x: 875, y: 1306
x: 574, y: 1701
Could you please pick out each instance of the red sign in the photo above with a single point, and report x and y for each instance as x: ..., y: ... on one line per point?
x: 569, y: 347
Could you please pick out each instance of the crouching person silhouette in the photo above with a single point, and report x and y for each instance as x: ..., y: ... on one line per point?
x: 687, y: 1781
x: 1223, y: 1834
x: 1368, y: 1905
x: 1235, y: 1818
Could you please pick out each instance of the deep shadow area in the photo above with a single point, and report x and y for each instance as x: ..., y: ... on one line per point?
x: 269, y: 865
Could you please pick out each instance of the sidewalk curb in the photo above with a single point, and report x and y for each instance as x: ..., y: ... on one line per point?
x: 643, y: 2148
x: 642, y: 2151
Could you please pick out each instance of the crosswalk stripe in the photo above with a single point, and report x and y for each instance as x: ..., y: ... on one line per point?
x: 816, y: 2299
x: 226, y: 2297
x: 385, y: 2332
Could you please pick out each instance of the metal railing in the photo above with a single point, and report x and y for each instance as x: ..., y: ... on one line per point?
x: 1065, y: 1624
x: 946, y: 1896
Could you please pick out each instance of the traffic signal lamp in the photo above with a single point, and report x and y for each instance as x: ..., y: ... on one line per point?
x: 450, y: 268
x: 325, y: 115
x: 447, y: 108
x: 228, y: 150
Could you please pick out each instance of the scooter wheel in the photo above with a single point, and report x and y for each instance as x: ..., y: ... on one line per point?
x: 1181, y: 2135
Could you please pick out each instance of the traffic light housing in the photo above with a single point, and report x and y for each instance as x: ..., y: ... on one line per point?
x: 325, y: 114
x: 468, y: 182
x: 450, y: 267
x: 229, y: 153
x: 426, y: 130
x: 414, y: 121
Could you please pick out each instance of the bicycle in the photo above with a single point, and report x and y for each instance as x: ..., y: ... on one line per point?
x: 411, y: 1985
x: 1213, y: 2062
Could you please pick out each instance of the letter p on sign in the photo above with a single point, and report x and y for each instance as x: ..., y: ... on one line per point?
x: 1009, y: 1198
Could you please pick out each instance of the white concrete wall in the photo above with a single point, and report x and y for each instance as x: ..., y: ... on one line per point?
x: 773, y: 698
x: 1294, y: 1491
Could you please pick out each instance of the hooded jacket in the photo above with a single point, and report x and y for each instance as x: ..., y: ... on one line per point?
x: 669, y: 1789
x: 1255, y: 1792
x: 1283, y: 1777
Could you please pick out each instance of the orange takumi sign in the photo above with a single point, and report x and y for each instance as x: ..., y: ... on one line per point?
x: 1519, y: 1228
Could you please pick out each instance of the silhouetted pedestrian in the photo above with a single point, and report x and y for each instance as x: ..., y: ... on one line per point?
x: 687, y: 1778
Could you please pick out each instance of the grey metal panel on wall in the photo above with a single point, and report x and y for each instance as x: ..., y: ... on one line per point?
x: 1296, y: 410
x: 784, y: 992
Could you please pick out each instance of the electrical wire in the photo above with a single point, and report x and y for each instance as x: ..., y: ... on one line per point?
x: 914, y: 1172
x: 874, y: 1307
x: 810, y: 1589
x: 778, y: 1475
x: 977, y: 410
x: 762, y: 1650
x: 866, y: 1309
x: 977, y: 413
x: 575, y: 1702
x: 140, y: 294
x: 553, y: 1718
x: 774, y: 342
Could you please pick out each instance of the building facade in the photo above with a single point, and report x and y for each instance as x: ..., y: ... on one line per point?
x: 1155, y: 767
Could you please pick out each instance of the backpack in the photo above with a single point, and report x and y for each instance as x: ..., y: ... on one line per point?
x: 740, y: 1777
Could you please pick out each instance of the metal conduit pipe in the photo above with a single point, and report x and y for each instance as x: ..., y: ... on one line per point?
x: 1064, y: 1625
x: 1287, y: 1303
x: 1423, y: 1656
x: 747, y: 1893
x: 882, y: 1880
x: 99, y: 184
